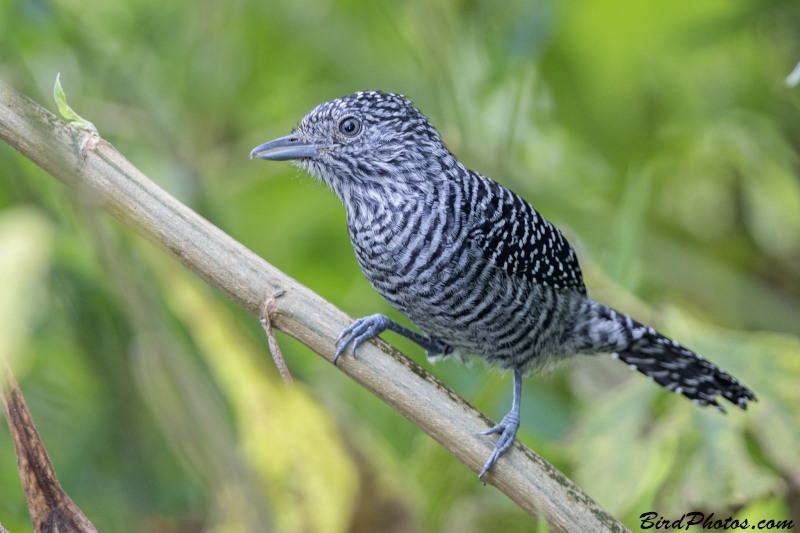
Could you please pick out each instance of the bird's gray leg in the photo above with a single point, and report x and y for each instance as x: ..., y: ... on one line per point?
x: 365, y: 328
x: 507, y: 427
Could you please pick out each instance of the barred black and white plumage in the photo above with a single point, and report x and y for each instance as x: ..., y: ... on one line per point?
x: 472, y: 264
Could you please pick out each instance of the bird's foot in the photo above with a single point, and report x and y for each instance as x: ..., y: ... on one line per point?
x: 359, y: 331
x: 508, y: 430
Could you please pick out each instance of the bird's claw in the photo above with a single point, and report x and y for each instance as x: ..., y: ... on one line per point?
x: 359, y: 331
x: 508, y: 431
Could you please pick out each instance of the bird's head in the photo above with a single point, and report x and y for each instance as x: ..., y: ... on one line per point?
x: 362, y: 139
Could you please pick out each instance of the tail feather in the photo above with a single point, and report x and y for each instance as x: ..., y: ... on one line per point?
x: 669, y: 364
x: 682, y: 371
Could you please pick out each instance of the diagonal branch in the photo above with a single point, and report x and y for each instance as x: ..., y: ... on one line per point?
x: 107, y: 178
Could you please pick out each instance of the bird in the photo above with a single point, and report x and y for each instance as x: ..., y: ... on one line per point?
x: 473, y: 265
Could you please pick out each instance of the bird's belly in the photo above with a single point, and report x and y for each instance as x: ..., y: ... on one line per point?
x: 484, y: 313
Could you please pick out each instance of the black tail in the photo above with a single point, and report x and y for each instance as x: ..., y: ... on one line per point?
x: 669, y: 364
x: 680, y: 370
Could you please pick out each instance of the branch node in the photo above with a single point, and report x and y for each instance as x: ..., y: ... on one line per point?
x: 268, y: 313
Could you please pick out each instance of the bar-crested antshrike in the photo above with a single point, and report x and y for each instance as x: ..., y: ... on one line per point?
x: 472, y: 264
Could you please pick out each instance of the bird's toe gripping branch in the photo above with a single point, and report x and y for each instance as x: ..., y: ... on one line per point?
x: 360, y: 331
x: 508, y: 431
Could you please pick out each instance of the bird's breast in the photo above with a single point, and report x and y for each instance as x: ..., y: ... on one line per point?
x: 419, y: 259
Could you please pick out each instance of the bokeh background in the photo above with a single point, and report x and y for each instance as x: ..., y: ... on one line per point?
x: 661, y: 136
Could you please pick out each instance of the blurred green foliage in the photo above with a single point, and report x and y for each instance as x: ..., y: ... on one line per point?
x: 659, y: 135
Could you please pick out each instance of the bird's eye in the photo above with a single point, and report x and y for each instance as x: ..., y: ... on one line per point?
x: 350, y: 126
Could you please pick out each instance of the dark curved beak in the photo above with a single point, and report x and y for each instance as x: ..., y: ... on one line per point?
x: 285, y: 148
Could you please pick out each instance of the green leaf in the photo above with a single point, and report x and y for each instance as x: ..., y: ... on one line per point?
x: 66, y: 111
x: 26, y: 246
